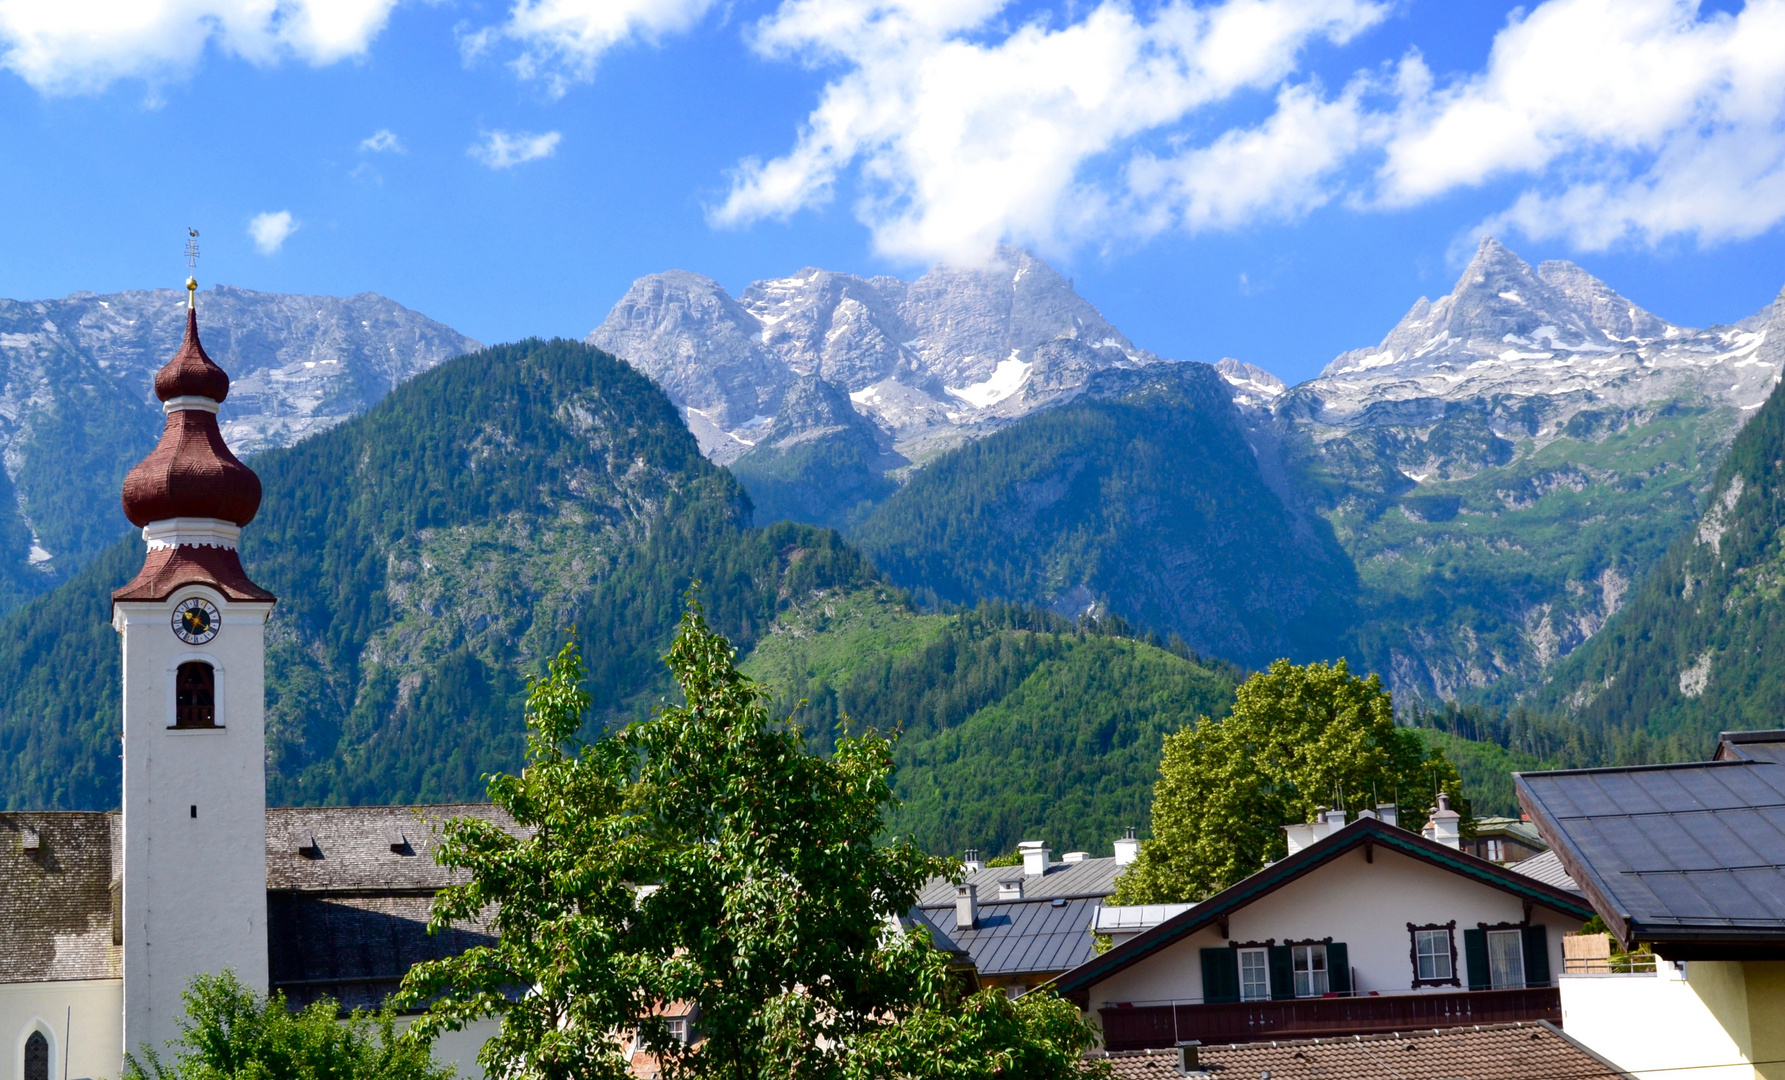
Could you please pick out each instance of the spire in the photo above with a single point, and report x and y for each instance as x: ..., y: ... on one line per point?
x: 191, y: 373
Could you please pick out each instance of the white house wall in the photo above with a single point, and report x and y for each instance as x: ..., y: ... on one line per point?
x: 1365, y: 905
x: 82, y: 1017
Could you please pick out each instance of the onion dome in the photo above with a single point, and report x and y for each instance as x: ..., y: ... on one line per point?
x: 191, y: 473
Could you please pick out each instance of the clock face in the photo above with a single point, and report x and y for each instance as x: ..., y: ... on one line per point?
x: 196, y: 621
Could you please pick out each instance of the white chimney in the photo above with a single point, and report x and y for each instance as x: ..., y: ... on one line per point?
x: 966, y: 906
x: 972, y: 863
x: 1010, y: 888
x: 1445, y: 825
x: 1127, y: 848
x: 1075, y: 856
x: 1299, y: 836
x: 1386, y: 811
x: 1035, y: 855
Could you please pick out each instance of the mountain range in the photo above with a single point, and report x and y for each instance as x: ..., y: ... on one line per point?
x: 77, y: 403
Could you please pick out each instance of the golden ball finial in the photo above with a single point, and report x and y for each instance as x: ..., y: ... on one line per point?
x: 191, y: 284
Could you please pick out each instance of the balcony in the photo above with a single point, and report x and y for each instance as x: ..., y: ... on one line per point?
x: 1142, y: 1027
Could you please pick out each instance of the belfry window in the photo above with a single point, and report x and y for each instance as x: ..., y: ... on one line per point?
x: 37, y: 1057
x: 195, y: 695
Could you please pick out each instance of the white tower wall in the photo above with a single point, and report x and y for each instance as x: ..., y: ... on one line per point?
x: 194, y: 813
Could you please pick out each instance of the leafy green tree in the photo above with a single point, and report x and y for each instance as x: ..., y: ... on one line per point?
x: 231, y: 1033
x: 1299, y: 737
x: 705, y: 857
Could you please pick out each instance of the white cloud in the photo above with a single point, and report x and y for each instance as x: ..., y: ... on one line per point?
x: 83, y: 46
x: 270, y: 230
x: 562, y: 40
x: 506, y: 149
x: 1622, y: 120
x: 384, y: 140
x: 962, y: 142
x: 1634, y: 120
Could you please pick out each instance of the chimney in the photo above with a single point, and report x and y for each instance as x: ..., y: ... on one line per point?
x: 1445, y: 825
x: 1190, y: 1057
x: 396, y: 840
x: 966, y: 906
x: 1010, y: 888
x: 1127, y: 848
x: 1386, y: 811
x: 1299, y: 836
x: 972, y: 863
x: 1035, y: 854
x: 1075, y: 856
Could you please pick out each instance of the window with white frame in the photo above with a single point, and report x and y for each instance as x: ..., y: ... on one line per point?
x: 1493, y: 850
x: 1310, y: 970
x: 1255, y: 975
x: 1506, y: 959
x: 1432, y: 954
x: 678, y: 1028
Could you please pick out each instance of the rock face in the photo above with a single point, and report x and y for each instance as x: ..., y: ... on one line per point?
x: 77, y: 404
x: 955, y: 353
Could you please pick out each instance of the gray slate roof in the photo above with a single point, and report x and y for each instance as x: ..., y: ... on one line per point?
x: 1690, y: 853
x: 1023, y: 937
x: 1089, y: 877
x: 56, y: 911
x: 349, y: 848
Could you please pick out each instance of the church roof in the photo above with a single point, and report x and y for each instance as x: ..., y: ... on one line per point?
x: 348, y: 895
x: 57, y: 906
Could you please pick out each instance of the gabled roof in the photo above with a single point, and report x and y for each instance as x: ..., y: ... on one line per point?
x: 1691, y: 855
x: 345, y: 849
x: 1358, y: 834
x: 1020, y: 937
x: 1538, y: 1051
x: 57, y: 915
x: 1087, y: 877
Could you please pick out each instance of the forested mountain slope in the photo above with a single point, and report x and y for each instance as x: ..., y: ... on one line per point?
x: 426, y: 556
x: 1698, y: 648
x: 1141, y: 498
x: 1011, y: 724
x: 76, y: 409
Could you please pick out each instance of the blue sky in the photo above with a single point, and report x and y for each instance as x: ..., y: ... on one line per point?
x: 1275, y: 180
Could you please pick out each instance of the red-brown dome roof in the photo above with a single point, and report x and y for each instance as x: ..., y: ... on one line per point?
x: 191, y: 472
x: 191, y: 372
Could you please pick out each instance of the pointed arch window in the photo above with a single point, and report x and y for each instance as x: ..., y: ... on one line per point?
x: 37, y: 1057
x: 195, y: 695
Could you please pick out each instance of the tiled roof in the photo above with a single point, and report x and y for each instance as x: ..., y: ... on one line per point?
x: 56, y: 914
x: 1021, y: 937
x: 350, y: 848
x: 1088, y: 877
x: 1690, y: 853
x: 1547, y: 868
x: 1510, y: 826
x: 1536, y: 1051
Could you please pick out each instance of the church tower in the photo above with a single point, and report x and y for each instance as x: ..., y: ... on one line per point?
x: 193, y: 631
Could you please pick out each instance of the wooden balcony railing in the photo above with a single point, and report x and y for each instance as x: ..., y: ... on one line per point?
x: 1142, y: 1027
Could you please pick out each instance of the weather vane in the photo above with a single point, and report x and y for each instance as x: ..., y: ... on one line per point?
x: 192, y: 262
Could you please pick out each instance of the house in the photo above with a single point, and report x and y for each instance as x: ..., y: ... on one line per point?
x: 1505, y: 840
x: 1516, y: 1051
x: 1016, y: 927
x: 107, y: 917
x: 1364, y: 928
x: 1689, y: 860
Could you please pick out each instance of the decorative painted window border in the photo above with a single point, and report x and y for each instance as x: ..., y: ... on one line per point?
x: 1308, y: 941
x: 1267, y: 943
x: 1450, y: 929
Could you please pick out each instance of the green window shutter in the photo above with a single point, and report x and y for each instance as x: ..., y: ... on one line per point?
x: 1536, y: 955
x: 1338, y: 968
x: 1220, y: 976
x: 1475, y: 953
x: 1282, y: 973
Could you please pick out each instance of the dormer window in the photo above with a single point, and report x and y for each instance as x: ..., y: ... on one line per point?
x: 195, y: 695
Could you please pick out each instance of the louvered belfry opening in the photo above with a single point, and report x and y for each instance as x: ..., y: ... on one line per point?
x: 37, y: 1057
x: 195, y: 695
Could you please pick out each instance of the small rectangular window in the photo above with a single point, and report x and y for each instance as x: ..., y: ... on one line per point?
x: 1494, y: 850
x: 195, y: 695
x: 1310, y: 970
x: 1506, y: 959
x: 1255, y: 975
x: 1433, y: 948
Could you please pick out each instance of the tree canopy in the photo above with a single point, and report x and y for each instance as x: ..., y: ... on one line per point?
x: 706, y: 858
x: 1300, y: 737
